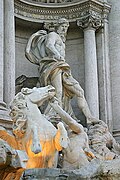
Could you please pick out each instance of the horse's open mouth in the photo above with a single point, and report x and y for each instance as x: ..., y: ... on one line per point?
x: 52, y: 90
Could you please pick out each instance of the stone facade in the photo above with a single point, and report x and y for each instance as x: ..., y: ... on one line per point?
x: 32, y: 139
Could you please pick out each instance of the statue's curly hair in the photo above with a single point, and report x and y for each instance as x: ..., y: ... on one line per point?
x: 52, y: 26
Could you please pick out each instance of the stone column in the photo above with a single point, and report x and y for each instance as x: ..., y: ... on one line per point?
x: 104, y: 73
x: 5, y: 120
x: 9, y: 47
x: 91, y: 74
x: 2, y: 104
x: 89, y: 24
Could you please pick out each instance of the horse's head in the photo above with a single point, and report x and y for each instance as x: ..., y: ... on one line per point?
x: 19, y: 106
x: 39, y: 95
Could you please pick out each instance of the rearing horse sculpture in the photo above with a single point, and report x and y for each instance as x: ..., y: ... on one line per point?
x: 39, y: 138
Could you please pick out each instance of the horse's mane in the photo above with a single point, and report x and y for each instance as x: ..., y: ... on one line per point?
x: 18, y: 113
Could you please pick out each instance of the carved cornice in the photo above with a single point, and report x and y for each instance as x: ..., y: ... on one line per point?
x: 46, y: 12
x: 50, y: 1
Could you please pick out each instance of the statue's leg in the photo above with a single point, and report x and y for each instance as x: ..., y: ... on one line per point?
x: 74, y: 87
x: 56, y: 81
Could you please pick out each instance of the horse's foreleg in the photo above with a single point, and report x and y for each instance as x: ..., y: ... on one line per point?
x: 61, y: 138
x: 52, y: 163
x: 36, y: 147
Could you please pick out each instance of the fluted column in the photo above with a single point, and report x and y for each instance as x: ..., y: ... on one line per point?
x: 9, y: 49
x: 89, y: 24
x: 2, y: 104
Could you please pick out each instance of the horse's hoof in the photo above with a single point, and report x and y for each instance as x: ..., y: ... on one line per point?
x: 36, y: 149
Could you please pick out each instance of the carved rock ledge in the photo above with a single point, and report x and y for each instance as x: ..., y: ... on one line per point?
x: 95, y: 171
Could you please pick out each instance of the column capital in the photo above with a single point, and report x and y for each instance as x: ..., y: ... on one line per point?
x: 90, y: 20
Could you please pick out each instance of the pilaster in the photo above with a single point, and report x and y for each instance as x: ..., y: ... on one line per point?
x: 2, y: 104
x: 5, y: 120
x: 104, y: 71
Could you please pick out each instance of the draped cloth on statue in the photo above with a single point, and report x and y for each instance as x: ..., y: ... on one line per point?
x: 35, y: 49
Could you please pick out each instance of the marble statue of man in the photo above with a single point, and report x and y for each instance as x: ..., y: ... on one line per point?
x: 47, y: 49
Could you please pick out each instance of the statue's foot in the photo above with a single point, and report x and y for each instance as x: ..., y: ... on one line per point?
x: 92, y: 120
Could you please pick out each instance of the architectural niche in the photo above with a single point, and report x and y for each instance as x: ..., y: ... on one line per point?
x: 90, y: 16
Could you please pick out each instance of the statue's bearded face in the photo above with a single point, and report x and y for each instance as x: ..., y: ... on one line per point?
x: 62, y: 28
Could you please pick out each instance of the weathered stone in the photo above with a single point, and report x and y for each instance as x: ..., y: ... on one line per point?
x: 23, y: 81
x: 47, y: 50
x: 37, y: 136
x: 96, y: 170
x: 102, y: 142
x: 9, y: 52
x: 93, y: 13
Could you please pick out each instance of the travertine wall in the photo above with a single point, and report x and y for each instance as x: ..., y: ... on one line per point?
x: 23, y: 32
x: 114, y: 37
x: 75, y: 58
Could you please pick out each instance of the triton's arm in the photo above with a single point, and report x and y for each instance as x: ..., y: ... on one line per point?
x: 73, y: 125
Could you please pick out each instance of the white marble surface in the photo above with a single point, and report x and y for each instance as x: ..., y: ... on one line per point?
x: 1, y: 50
x: 91, y: 76
x: 114, y: 36
x: 9, y: 52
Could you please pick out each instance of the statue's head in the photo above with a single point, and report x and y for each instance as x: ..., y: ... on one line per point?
x: 63, y: 21
x: 61, y: 26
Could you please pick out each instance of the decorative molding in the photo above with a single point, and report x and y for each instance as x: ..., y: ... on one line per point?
x: 51, y: 1
x: 116, y: 133
x: 46, y: 12
x: 90, y: 19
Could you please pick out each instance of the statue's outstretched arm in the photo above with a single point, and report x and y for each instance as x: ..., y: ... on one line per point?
x: 73, y: 125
